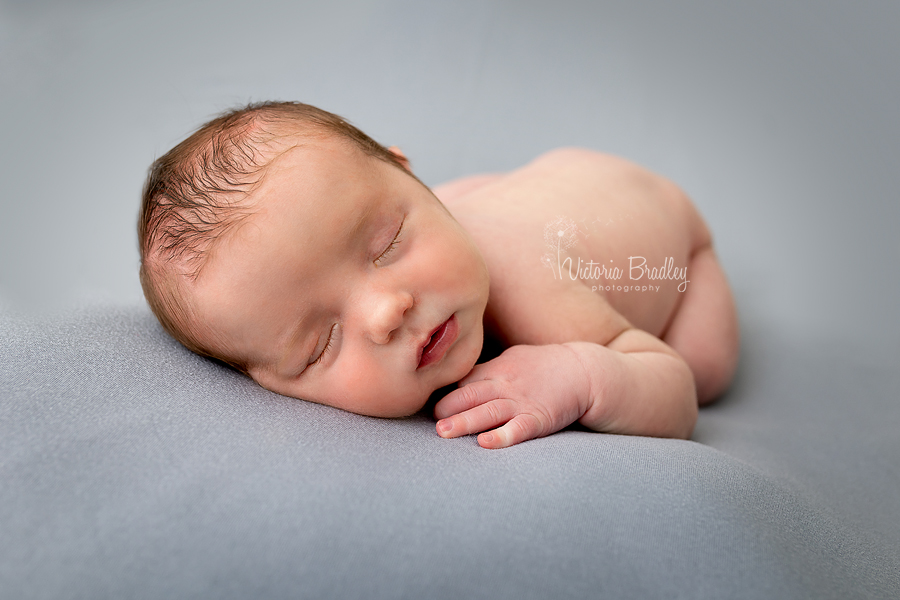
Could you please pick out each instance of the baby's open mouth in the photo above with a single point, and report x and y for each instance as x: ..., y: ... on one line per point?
x: 440, y: 341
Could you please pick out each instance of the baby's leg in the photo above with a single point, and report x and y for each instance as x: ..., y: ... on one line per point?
x: 705, y: 329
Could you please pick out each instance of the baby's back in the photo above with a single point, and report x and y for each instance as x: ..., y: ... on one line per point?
x: 578, y: 245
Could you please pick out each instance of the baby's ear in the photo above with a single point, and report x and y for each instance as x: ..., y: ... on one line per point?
x: 400, y: 157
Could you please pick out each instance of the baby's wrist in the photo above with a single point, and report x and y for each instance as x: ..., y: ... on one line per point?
x: 582, y: 377
x: 603, y: 408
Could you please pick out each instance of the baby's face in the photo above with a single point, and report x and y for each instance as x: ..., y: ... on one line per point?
x: 350, y: 285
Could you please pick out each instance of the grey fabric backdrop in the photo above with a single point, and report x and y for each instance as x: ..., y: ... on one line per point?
x: 130, y: 468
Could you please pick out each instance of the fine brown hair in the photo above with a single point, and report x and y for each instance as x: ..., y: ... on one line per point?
x: 198, y: 191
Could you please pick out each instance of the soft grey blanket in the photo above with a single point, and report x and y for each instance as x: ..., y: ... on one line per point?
x: 131, y: 468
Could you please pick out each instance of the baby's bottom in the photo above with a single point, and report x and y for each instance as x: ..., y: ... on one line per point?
x: 705, y: 328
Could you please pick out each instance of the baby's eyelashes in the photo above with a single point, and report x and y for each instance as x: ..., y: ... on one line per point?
x: 390, y: 248
x: 329, y: 343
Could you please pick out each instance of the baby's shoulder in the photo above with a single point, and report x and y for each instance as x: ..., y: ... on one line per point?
x: 567, y: 170
x: 581, y: 184
x: 586, y: 171
x: 570, y: 160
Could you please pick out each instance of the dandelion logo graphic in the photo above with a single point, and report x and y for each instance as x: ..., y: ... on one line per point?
x: 559, y: 235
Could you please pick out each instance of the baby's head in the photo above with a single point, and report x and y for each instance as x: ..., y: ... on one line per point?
x: 280, y: 239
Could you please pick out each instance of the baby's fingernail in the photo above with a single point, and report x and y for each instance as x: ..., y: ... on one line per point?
x: 487, y: 437
x: 444, y: 426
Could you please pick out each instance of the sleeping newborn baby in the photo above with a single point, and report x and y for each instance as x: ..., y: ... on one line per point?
x: 283, y: 241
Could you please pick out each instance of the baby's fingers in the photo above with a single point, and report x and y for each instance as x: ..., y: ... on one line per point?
x: 467, y: 397
x: 479, y: 418
x: 520, y: 428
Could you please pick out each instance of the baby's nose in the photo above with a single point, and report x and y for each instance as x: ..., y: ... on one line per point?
x: 386, y: 314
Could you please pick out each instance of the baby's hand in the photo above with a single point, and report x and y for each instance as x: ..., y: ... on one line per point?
x: 531, y: 391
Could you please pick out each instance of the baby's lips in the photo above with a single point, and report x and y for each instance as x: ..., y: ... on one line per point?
x: 440, y: 341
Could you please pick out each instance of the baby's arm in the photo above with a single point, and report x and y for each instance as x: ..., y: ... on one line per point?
x: 639, y: 385
x: 636, y: 384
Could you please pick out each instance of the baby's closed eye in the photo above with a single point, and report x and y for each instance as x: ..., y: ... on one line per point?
x: 329, y: 343
x: 391, y: 246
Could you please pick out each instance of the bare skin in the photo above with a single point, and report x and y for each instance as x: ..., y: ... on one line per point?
x: 338, y: 309
x: 646, y: 357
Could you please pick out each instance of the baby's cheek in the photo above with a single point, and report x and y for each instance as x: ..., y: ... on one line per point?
x: 369, y: 389
x: 452, y: 268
